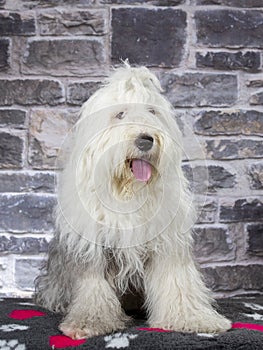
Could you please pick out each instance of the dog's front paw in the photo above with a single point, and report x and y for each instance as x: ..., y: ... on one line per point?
x: 205, y: 324
x: 75, y: 331
x: 86, y: 329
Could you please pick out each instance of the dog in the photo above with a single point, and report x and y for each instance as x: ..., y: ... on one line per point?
x: 124, y: 217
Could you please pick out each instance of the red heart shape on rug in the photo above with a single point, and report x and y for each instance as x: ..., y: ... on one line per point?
x: 25, y: 314
x: 61, y: 341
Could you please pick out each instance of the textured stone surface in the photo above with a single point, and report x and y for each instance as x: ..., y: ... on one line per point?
x: 255, y: 172
x: 12, y: 23
x: 78, y: 93
x: 255, y: 239
x: 230, y: 28
x: 229, y: 122
x: 256, y: 99
x: 220, y: 177
x: 76, y: 57
x: 213, y: 244
x: 11, y: 151
x: 26, y: 270
x: 207, y: 210
x: 208, y: 54
x: 14, y: 118
x: 237, y: 3
x: 52, y: 3
x: 197, y: 89
x: 242, y: 210
x: 4, y: 54
x: 255, y: 83
x: 231, y: 278
x: 211, y: 178
x: 30, y: 92
x: 48, y: 130
x: 28, y: 245
x: 27, y: 182
x: 248, y: 61
x: 148, y: 2
x: 26, y: 213
x: 240, y: 149
x: 61, y: 22
x: 135, y: 36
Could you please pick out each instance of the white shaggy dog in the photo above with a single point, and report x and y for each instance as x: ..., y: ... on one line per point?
x: 124, y: 218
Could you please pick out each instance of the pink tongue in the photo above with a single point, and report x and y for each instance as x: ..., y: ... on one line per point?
x: 141, y: 170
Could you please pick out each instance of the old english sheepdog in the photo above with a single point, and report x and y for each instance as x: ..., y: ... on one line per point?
x: 124, y: 218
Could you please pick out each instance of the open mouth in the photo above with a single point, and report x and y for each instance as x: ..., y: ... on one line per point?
x: 142, y: 170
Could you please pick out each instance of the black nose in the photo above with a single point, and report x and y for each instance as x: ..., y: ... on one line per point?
x: 144, y: 142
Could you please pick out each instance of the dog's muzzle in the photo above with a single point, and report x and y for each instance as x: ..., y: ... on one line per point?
x: 142, y: 169
x: 144, y: 142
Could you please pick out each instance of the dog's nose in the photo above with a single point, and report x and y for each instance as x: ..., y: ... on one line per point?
x: 144, y: 142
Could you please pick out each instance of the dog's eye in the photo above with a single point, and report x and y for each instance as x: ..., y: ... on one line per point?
x: 151, y: 110
x: 120, y: 115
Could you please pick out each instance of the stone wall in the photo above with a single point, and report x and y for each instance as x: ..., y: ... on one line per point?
x: 208, y: 55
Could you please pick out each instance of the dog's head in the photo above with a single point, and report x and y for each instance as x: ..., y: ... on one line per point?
x: 125, y: 164
x: 128, y: 134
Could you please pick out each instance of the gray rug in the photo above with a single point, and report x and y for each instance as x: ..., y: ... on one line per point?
x: 23, y: 326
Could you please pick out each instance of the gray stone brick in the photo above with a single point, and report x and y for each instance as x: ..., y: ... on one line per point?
x: 52, y: 3
x: 255, y: 83
x: 197, y: 89
x: 12, y: 23
x: 26, y: 213
x: 255, y: 241
x: 2, y: 3
x: 26, y: 271
x: 229, y: 122
x: 228, y: 149
x: 148, y: 2
x: 13, y: 118
x: 80, y: 57
x: 248, y: 61
x: 231, y: 278
x: 213, y: 244
x: 4, y: 54
x: 30, y: 92
x: 230, y: 28
x: 255, y: 172
x: 234, y: 3
x: 78, y: 93
x: 136, y: 35
x: 11, y: 151
x: 27, y: 182
x: 29, y: 245
x: 219, y: 177
x: 241, y: 210
x: 206, y: 211
x: 66, y: 22
x: 256, y: 99
x: 211, y: 178
x: 47, y: 133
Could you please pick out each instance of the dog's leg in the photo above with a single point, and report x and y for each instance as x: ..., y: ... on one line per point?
x: 95, y: 308
x: 177, y: 299
x: 54, y: 285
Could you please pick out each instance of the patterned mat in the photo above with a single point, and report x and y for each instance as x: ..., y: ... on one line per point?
x: 23, y: 326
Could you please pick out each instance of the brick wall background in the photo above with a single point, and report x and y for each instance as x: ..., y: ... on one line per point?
x: 208, y: 55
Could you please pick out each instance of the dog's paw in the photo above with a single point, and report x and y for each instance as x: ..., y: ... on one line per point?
x: 216, y: 324
x: 205, y: 324
x: 86, y: 329
x: 74, y: 331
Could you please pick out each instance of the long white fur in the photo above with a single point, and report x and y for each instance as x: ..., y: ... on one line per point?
x: 113, y: 231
